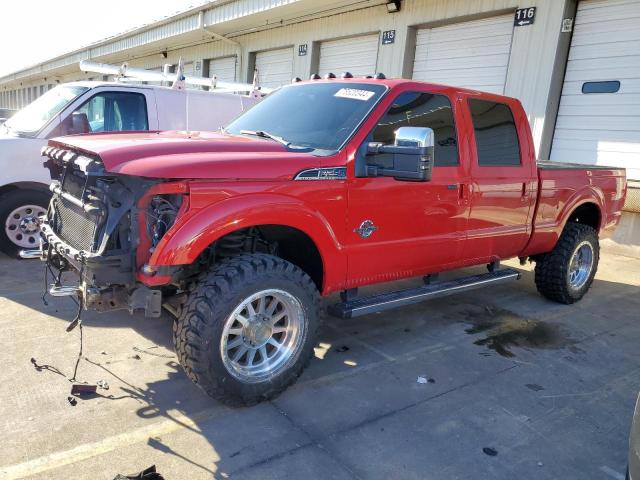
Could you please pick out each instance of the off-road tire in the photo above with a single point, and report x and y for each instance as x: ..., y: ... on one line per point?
x: 197, y: 332
x: 551, y: 272
x: 8, y: 203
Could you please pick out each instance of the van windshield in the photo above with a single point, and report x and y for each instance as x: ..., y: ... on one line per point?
x: 320, y: 116
x: 37, y: 114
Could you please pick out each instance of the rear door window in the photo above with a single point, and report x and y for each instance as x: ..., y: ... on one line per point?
x: 496, y: 134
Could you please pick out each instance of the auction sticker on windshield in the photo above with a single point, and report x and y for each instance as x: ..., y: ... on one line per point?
x: 354, y: 93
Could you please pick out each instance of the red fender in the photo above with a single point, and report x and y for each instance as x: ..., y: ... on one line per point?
x: 198, y: 229
x: 545, y: 235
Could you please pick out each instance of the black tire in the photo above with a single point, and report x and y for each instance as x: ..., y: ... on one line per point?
x: 552, y: 269
x: 197, y: 333
x: 8, y: 203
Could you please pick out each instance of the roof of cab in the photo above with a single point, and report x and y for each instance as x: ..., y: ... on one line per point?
x: 398, y: 82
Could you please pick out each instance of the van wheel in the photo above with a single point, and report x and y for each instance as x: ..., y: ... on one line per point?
x: 248, y: 328
x: 565, y: 274
x: 19, y: 212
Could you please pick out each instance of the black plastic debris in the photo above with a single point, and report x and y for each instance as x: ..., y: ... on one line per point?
x: 80, y: 390
x: 342, y: 349
x: 147, y: 474
x: 72, y: 401
x: 492, y: 452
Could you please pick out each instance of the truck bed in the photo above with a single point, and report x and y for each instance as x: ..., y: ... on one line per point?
x: 563, y: 187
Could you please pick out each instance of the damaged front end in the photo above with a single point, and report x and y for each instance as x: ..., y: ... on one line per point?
x: 97, y: 225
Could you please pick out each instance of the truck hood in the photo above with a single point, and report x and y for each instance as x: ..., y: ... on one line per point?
x: 197, y: 155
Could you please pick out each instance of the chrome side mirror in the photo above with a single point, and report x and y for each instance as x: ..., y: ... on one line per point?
x: 421, y: 137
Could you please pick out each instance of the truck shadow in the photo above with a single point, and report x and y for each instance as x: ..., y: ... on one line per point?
x: 502, y: 321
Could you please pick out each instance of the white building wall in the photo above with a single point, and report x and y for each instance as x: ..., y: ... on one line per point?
x: 529, y: 73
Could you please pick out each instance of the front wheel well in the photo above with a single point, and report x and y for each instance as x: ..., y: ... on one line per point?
x: 283, y: 241
x: 586, y: 214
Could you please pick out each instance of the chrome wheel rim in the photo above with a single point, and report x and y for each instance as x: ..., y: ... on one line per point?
x: 580, y: 265
x: 21, y: 225
x: 263, y: 335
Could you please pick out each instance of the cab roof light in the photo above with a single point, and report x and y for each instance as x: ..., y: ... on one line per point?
x: 314, y: 76
x: 296, y: 80
x: 346, y: 75
x: 380, y: 76
x: 329, y: 76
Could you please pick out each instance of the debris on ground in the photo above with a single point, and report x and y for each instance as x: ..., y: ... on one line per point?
x: 44, y: 367
x: 147, y: 474
x: 342, y: 349
x: 103, y: 384
x: 492, y: 452
x: 147, y: 352
x: 80, y: 389
x: 422, y: 380
x: 136, y: 357
x: 72, y: 401
x: 534, y: 386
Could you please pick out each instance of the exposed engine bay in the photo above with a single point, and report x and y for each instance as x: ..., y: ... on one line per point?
x: 89, y: 229
x: 103, y: 226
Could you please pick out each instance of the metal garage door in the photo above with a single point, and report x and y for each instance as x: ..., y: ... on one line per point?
x: 470, y: 54
x: 189, y: 69
x: 602, y: 128
x: 358, y: 55
x: 275, y: 67
x: 223, y: 68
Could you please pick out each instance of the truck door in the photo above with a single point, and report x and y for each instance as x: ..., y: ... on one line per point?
x: 399, y: 228
x: 503, y: 181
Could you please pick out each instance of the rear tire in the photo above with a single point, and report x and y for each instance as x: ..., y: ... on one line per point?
x: 565, y: 274
x: 19, y: 210
x: 231, y: 311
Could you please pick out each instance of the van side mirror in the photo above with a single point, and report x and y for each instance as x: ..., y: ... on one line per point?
x: 409, y: 158
x: 76, y: 123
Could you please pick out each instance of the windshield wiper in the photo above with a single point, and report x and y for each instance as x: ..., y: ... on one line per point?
x: 263, y: 134
x: 282, y: 141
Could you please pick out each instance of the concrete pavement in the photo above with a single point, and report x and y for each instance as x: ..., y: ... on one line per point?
x: 548, y: 388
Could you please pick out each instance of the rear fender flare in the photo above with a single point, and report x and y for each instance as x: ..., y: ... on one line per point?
x: 580, y: 197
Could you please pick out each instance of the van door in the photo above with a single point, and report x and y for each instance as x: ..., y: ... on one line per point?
x: 109, y: 110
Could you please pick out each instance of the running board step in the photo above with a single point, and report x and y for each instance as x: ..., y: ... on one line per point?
x: 387, y: 301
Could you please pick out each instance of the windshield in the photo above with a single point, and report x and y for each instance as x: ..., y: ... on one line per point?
x: 34, y: 116
x: 321, y: 116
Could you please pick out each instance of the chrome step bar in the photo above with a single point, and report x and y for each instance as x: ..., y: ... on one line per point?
x: 30, y: 254
x: 64, y: 291
x: 386, y: 301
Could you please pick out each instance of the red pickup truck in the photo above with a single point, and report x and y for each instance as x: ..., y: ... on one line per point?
x: 325, y: 186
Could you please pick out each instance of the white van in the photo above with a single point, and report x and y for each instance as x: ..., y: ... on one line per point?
x: 87, y: 107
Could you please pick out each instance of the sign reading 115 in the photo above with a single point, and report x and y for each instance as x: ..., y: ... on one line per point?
x: 388, y: 37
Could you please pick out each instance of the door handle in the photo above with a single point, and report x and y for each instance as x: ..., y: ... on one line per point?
x: 524, y: 194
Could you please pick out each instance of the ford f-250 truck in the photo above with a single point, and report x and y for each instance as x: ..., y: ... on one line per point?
x: 324, y: 186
